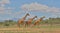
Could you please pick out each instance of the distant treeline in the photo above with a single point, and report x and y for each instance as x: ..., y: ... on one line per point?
x: 51, y: 21
x: 46, y: 21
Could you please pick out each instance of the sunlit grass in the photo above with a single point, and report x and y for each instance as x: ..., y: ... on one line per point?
x: 34, y: 29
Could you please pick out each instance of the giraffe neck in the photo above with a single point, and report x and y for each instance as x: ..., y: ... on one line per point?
x: 25, y: 17
x: 33, y: 18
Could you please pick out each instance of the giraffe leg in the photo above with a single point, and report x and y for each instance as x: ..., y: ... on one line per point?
x: 38, y: 25
x: 32, y: 25
x: 24, y: 24
x: 18, y: 25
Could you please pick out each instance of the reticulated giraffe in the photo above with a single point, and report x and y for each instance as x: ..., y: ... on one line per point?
x: 39, y: 20
x: 21, y: 21
x: 29, y: 22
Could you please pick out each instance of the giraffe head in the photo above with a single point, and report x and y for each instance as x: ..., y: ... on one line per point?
x: 28, y: 14
x: 42, y: 18
x: 35, y: 16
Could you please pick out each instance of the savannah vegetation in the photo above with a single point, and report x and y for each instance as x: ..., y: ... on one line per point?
x: 50, y: 25
x: 46, y: 21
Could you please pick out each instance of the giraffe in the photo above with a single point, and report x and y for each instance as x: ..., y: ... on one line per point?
x: 39, y: 20
x: 21, y: 21
x: 29, y: 22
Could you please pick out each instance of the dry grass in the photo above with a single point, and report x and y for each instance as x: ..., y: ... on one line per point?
x: 29, y: 30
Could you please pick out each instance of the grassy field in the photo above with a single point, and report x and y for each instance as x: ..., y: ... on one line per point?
x: 34, y: 29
